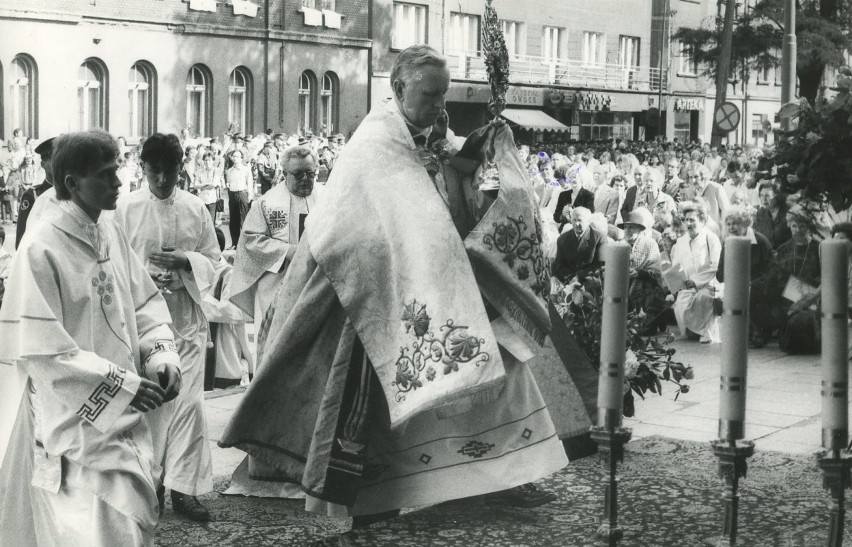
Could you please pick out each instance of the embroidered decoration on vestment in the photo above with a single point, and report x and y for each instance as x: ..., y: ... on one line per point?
x: 475, y: 449
x: 510, y: 238
x: 104, y: 285
x: 277, y: 219
x: 454, y: 347
x: 527, y: 433
x: 103, y: 394
x: 425, y: 459
x: 159, y: 347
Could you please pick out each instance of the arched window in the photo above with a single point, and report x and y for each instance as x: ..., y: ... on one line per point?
x: 141, y: 100
x: 199, y: 98
x: 307, y: 98
x: 240, y: 99
x: 92, y: 92
x: 329, y: 103
x: 23, y: 92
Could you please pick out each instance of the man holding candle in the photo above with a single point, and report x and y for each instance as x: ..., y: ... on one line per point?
x: 172, y: 233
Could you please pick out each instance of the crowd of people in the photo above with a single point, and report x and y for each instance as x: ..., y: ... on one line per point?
x: 675, y: 203
x: 397, y: 295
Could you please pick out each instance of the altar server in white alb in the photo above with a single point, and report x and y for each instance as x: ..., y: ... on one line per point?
x: 173, y: 234
x: 88, y: 331
x: 271, y: 232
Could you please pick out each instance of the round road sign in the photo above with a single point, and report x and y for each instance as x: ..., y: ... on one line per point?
x: 727, y: 117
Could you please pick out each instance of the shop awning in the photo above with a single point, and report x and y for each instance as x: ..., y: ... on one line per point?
x: 534, y: 120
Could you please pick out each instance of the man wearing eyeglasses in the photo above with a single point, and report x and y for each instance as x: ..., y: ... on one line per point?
x: 270, y: 234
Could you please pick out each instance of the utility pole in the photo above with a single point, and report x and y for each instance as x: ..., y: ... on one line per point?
x: 724, y: 68
x: 788, y: 60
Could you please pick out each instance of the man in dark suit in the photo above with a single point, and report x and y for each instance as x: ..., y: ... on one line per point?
x: 45, y: 150
x: 577, y: 250
x: 573, y: 193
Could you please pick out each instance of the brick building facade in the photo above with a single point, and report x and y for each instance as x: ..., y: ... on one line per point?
x: 163, y: 65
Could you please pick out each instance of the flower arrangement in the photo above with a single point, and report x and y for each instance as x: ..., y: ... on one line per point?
x: 648, y: 360
x: 814, y: 158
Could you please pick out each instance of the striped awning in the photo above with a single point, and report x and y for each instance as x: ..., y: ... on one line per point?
x: 534, y: 120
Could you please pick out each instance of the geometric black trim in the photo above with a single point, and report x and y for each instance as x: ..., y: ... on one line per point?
x: 527, y: 433
x: 103, y: 394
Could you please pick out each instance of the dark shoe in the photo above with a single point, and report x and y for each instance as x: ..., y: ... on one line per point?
x: 366, y: 521
x: 161, y: 499
x: 757, y: 342
x: 190, y: 507
x: 526, y: 496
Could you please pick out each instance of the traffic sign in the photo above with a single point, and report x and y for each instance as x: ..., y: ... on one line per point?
x: 727, y: 117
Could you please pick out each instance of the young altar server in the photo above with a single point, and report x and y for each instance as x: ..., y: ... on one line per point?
x: 172, y: 233
x: 88, y: 331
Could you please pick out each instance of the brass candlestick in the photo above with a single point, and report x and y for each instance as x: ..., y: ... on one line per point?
x: 611, y: 441
x: 732, y: 456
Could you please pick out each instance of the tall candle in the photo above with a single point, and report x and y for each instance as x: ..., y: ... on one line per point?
x: 732, y: 397
x: 613, y: 334
x: 835, y: 361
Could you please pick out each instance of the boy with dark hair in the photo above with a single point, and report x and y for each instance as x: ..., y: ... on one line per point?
x: 172, y: 233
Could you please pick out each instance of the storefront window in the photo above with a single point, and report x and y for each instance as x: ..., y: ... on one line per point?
x: 683, y: 125
x: 594, y: 125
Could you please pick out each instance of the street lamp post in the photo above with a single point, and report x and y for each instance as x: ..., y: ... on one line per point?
x: 788, y: 59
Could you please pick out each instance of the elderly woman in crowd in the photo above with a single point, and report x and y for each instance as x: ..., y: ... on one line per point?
x: 697, y: 254
x: 738, y: 223
x: 646, y: 291
x: 771, y: 217
x: 605, y: 169
x: 608, y: 197
x: 794, y: 283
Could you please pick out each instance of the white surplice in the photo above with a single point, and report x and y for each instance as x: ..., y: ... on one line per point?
x: 179, y: 427
x: 699, y: 258
x: 271, y: 232
x: 79, y: 317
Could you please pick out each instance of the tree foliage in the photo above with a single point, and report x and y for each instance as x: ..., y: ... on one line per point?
x: 822, y: 35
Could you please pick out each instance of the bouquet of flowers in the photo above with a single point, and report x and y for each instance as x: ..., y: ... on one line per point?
x: 648, y: 360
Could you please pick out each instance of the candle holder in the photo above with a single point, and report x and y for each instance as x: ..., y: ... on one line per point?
x: 732, y: 456
x: 836, y: 465
x: 611, y: 441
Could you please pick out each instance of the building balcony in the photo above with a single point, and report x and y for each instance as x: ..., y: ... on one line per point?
x: 528, y: 69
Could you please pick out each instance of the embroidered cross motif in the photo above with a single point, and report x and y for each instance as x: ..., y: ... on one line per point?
x: 277, y: 220
x: 103, y: 394
x: 475, y: 449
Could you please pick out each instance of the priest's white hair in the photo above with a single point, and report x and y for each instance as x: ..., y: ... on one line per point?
x: 409, y: 63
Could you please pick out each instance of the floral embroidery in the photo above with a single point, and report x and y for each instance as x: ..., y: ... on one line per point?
x: 453, y: 347
x: 104, y: 285
x: 510, y: 238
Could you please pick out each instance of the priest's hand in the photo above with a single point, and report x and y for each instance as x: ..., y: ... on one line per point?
x: 170, y: 260
x: 171, y: 381
x: 148, y: 397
